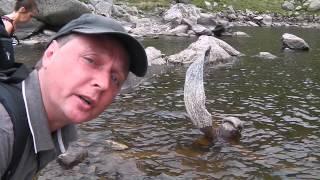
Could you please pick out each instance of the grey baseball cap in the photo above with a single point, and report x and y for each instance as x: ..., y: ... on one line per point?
x: 96, y: 24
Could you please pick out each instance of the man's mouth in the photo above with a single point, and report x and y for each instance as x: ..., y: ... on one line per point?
x: 86, y: 100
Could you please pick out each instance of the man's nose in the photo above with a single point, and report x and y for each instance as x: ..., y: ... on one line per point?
x: 101, y: 80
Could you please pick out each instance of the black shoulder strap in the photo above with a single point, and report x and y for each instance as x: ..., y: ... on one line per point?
x: 6, y: 48
x: 3, y: 31
x: 12, y: 99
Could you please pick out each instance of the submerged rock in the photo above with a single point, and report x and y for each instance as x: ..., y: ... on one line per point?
x: 116, y: 146
x: 265, y: 55
x: 240, y: 34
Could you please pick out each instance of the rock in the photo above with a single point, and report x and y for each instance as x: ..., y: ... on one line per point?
x: 201, y: 30
x: 250, y: 23
x: 179, y: 11
x: 314, y: 5
x: 240, y: 34
x: 287, y: 6
x: 180, y: 29
x: 220, y: 51
x: 189, y: 22
x: 258, y: 18
x: 232, y: 17
x: 118, y: 11
x: 154, y: 56
x: 230, y: 10
x: 226, y: 47
x: 27, y: 29
x: 293, y: 42
x: 7, y: 6
x: 206, y: 19
x: 208, y: 5
x: 60, y: 12
x: 267, y: 20
x: 72, y: 157
x: 116, y: 146
x: 48, y: 32
x: 29, y: 42
x: 115, y: 167
x: 102, y: 7
x: 266, y: 55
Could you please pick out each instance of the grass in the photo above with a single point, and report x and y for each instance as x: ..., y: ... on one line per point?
x: 262, y: 6
x: 256, y: 5
x: 147, y: 4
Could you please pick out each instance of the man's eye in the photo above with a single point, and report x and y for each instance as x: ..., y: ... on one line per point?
x: 89, y: 60
x: 115, y: 79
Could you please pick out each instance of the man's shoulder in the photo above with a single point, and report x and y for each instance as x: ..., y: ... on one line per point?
x: 5, y: 120
x: 6, y: 139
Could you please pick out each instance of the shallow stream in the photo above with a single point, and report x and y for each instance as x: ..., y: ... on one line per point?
x: 279, y: 101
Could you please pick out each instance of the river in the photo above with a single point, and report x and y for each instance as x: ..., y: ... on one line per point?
x: 278, y: 100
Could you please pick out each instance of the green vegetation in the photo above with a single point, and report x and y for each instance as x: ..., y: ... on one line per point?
x: 84, y: 1
x: 147, y: 4
x: 262, y: 6
x: 256, y: 5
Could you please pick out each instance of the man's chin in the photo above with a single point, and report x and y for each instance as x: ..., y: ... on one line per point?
x: 78, y: 118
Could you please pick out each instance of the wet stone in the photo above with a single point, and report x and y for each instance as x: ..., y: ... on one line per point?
x: 72, y: 157
x: 114, y: 166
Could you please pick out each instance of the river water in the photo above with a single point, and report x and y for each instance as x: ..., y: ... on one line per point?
x: 278, y: 100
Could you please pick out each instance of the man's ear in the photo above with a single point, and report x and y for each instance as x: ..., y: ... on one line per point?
x: 22, y: 10
x: 49, y: 53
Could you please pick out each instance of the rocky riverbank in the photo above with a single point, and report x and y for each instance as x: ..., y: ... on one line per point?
x: 178, y: 20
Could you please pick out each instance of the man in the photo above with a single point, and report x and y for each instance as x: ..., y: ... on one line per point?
x: 80, y: 73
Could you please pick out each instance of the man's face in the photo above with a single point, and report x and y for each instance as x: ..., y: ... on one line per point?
x: 81, y: 78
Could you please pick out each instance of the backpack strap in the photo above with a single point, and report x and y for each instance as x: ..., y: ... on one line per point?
x: 6, y: 48
x: 12, y: 99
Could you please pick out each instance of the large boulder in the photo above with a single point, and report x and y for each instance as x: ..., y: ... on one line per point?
x: 293, y: 42
x: 179, y: 11
x: 207, y: 19
x: 288, y: 6
x: 25, y: 30
x: 201, y: 30
x: 219, y: 52
x: 154, y: 56
x: 103, y: 7
x: 60, y: 12
x: 314, y: 5
x: 6, y: 6
x: 147, y: 27
x: 183, y: 28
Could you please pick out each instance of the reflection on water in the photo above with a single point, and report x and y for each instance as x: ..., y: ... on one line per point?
x: 279, y: 101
